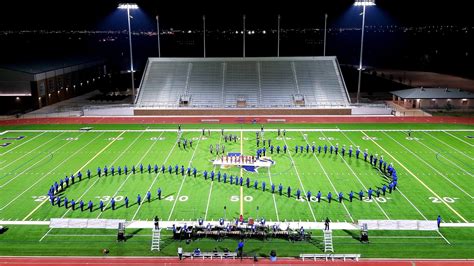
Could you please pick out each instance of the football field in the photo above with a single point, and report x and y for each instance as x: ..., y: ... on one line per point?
x: 434, y: 165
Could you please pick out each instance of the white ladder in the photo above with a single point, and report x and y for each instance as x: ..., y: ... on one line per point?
x: 328, y: 241
x: 155, y: 241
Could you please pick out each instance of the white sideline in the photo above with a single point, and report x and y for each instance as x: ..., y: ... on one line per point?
x: 283, y: 225
x: 249, y: 130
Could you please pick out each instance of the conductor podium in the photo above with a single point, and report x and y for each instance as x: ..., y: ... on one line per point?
x: 121, y: 232
x: 364, y: 233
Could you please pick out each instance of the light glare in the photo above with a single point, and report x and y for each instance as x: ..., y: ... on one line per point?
x: 128, y: 6
x: 364, y: 3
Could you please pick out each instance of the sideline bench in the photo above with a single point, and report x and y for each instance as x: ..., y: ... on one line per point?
x: 210, y: 121
x: 330, y: 256
x: 211, y: 255
x: 276, y: 120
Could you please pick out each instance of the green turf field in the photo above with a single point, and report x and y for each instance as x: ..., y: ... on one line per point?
x: 434, y: 165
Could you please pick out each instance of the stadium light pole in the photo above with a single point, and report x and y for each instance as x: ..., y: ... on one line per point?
x: 244, y: 36
x: 129, y: 6
x: 364, y: 4
x: 204, y: 33
x: 325, y: 30
x: 278, y: 45
x: 158, y: 34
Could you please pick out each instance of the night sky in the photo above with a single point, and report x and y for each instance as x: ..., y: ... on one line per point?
x: 90, y: 15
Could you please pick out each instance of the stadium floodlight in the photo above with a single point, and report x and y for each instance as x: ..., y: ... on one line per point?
x: 325, y: 30
x: 129, y: 6
x: 278, y: 37
x: 158, y: 34
x: 243, y: 18
x: 204, y: 34
x: 363, y: 4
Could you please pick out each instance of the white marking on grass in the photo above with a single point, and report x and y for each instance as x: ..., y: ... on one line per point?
x: 350, y: 168
x: 6, y: 165
x: 241, y: 174
x: 301, y: 183
x: 273, y: 195
x: 129, y: 174
x: 41, y: 239
x: 330, y: 182
x: 445, y: 239
x: 40, y: 179
x: 212, y: 183
x: 182, y: 183
x: 50, y: 155
x: 23, y: 143
x: 90, y: 235
x: 80, y: 197
x: 97, y: 154
x: 445, y: 131
x: 452, y: 148
x: 409, y: 201
x: 462, y: 169
x: 429, y: 165
x: 421, y: 182
x: 156, y: 177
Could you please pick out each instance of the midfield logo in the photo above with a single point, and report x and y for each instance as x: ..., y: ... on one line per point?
x: 248, y: 163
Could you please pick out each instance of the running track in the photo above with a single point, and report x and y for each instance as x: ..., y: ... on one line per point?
x: 131, y: 261
x: 235, y: 120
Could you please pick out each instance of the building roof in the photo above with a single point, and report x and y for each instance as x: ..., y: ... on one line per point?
x: 42, y: 65
x: 433, y: 93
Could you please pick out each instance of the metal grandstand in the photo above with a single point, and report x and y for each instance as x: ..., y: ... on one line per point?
x: 259, y: 82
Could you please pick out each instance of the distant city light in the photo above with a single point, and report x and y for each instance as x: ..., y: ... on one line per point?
x: 364, y: 3
x: 264, y: 32
x: 128, y: 6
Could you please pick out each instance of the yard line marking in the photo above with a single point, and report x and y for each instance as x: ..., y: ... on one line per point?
x: 29, y: 151
x: 443, y: 237
x: 445, y: 131
x: 182, y: 182
x: 241, y: 174
x: 19, y: 195
x: 130, y: 173
x: 329, y: 179
x: 446, y: 158
x: 154, y: 180
x: 212, y: 183
x: 387, y: 237
x: 97, y: 154
x: 90, y: 235
x: 114, y: 139
x: 29, y: 167
x: 416, y: 177
x: 449, y: 145
x: 273, y: 195
x: 41, y: 239
x: 350, y: 168
x: 301, y: 183
x: 43, y: 132
x: 403, y: 194
x: 112, y: 163
x: 447, y: 179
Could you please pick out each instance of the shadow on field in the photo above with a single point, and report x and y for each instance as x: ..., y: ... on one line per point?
x: 352, y: 234
x: 132, y: 234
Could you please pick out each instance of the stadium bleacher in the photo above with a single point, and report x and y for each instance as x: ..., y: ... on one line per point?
x: 242, y: 83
